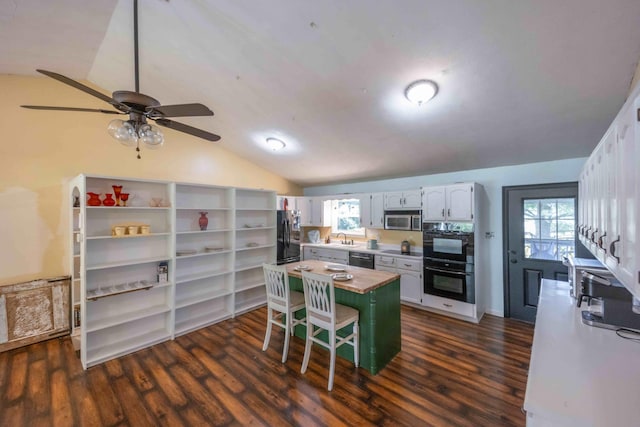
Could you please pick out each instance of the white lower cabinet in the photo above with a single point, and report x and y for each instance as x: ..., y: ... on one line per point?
x: 410, y: 272
x: 174, y: 258
x: 446, y: 304
x: 336, y: 256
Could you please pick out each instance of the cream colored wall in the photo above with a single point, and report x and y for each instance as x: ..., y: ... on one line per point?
x: 41, y: 150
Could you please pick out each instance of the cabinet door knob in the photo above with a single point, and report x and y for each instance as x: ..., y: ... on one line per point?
x: 447, y: 305
x: 442, y: 212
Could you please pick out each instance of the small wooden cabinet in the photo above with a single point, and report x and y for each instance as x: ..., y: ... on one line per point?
x: 34, y: 311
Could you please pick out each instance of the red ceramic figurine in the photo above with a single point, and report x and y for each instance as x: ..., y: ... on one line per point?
x: 203, y: 221
x: 108, y: 200
x: 94, y: 199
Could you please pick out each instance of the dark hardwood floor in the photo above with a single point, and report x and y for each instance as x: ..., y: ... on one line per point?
x: 449, y: 372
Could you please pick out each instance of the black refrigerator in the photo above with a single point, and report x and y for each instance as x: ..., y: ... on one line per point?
x: 288, y: 249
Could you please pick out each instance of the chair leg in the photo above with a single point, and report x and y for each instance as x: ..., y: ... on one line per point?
x: 267, y: 335
x: 307, y: 349
x: 285, y: 350
x: 332, y: 363
x: 290, y: 319
x: 356, y: 343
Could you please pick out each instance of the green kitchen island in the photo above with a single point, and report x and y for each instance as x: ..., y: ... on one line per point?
x: 376, y: 294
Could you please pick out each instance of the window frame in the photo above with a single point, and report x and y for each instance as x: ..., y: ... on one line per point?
x: 359, y: 232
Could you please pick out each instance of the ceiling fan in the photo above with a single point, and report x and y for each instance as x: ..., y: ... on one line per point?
x: 138, y: 106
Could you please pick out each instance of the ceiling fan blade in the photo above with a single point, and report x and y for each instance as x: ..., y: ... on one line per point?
x: 88, y: 110
x: 181, y: 127
x: 179, y: 110
x: 86, y: 89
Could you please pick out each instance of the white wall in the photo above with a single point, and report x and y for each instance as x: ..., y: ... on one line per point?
x: 492, y: 180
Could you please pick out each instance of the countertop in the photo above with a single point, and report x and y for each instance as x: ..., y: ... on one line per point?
x: 362, y: 247
x: 579, y: 375
x: 364, y: 279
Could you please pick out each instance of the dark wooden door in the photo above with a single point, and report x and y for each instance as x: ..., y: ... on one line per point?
x: 539, y: 230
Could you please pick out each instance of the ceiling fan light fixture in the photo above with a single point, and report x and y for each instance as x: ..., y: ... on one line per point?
x: 151, y: 136
x: 122, y: 131
x: 421, y: 91
x: 275, y: 144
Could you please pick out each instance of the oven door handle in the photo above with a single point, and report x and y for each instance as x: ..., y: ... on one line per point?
x: 446, y: 271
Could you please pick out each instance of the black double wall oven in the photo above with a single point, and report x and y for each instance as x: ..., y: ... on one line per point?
x: 448, y: 252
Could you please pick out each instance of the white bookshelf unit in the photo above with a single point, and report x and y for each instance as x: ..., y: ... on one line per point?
x: 214, y: 271
x: 255, y: 244
x: 204, y: 279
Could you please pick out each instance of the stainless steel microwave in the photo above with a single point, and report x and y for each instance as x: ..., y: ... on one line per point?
x: 403, y: 221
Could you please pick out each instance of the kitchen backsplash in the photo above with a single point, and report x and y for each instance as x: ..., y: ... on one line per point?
x: 391, y: 237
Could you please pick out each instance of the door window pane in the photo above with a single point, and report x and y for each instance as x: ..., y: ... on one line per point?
x: 549, y: 228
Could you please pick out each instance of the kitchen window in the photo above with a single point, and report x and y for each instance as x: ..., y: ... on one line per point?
x: 345, y: 217
x: 549, y: 228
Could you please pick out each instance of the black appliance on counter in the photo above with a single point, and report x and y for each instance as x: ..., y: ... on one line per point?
x: 361, y: 259
x: 288, y: 248
x: 616, y: 304
x: 448, y: 260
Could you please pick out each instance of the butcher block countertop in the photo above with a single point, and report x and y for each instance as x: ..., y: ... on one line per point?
x: 364, y: 280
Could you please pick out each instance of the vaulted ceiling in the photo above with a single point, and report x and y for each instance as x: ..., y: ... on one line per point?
x: 519, y: 81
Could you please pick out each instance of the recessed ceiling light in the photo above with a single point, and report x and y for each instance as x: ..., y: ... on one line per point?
x: 275, y: 144
x: 421, y: 91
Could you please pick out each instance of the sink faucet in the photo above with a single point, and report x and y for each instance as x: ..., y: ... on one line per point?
x: 344, y: 242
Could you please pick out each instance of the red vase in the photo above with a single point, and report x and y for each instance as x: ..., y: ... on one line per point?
x: 94, y: 199
x: 117, y: 189
x: 203, y: 221
x: 108, y: 200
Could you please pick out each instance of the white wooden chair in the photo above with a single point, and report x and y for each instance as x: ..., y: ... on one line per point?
x: 325, y: 314
x: 282, y: 303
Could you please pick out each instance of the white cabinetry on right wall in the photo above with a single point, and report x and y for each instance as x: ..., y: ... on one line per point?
x: 609, y: 197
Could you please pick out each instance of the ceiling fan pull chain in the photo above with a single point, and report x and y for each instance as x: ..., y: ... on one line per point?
x: 138, y: 147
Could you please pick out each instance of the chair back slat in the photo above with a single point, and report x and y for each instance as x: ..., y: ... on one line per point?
x: 277, y: 284
x: 319, y: 296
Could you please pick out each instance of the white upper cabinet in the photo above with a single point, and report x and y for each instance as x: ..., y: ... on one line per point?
x: 377, y: 210
x: 448, y: 203
x: 404, y: 200
x: 372, y: 210
x: 609, y: 197
x: 314, y: 211
x: 433, y: 204
x: 292, y: 202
